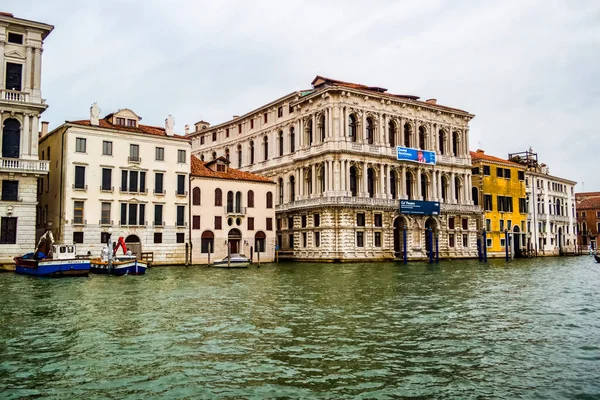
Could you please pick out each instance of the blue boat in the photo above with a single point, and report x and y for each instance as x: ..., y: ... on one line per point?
x: 112, y: 264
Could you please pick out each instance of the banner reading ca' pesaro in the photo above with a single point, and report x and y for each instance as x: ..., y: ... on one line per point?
x: 419, y: 207
x: 416, y: 155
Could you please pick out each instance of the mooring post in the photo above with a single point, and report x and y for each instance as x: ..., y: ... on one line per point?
x: 484, y: 244
x: 479, y: 255
x: 228, y: 254
x: 430, y: 240
x: 209, y: 246
x: 506, y: 244
x: 437, y: 247
x: 404, y: 255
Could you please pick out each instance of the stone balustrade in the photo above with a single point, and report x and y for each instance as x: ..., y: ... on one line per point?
x: 17, y: 164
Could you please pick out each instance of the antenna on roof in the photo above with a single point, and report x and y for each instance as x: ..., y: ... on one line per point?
x: 479, y: 144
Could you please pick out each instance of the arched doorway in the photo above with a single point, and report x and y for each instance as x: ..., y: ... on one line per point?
x: 399, y: 224
x: 11, y: 138
x: 260, y: 242
x: 430, y: 224
x: 234, y: 238
x: 517, y: 241
x: 371, y: 182
x: 353, y: 181
x: 134, y: 244
x: 560, y: 241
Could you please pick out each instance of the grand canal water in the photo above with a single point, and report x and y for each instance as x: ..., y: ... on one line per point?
x: 458, y: 330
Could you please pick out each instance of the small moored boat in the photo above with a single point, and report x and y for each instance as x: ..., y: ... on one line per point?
x: 112, y: 264
x: 233, y: 261
x: 597, y: 257
x: 52, y: 260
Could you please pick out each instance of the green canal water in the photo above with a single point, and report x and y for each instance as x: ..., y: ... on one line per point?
x: 457, y: 330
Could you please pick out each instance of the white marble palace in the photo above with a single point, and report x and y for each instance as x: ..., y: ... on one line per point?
x: 331, y: 150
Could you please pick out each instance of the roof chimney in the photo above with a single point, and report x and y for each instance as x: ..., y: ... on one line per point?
x: 44, y: 130
x: 236, y: 116
x: 187, y: 129
x: 95, y: 114
x: 169, y: 124
x: 431, y: 101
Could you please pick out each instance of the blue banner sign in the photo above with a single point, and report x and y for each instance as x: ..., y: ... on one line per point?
x: 416, y: 155
x: 419, y: 207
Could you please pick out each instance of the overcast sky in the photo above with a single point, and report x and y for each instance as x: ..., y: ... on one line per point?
x: 528, y: 70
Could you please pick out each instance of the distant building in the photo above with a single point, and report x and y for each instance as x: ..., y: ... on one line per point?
x: 232, y: 211
x: 115, y: 176
x: 499, y: 188
x: 551, y: 204
x: 21, y: 104
x: 588, y: 219
x: 332, y: 150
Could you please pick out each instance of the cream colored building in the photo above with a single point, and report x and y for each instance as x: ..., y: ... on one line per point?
x: 332, y: 150
x: 115, y: 176
x: 21, y: 104
x: 232, y: 211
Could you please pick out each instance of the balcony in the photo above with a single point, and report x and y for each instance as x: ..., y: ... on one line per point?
x: 160, y: 224
x: 105, y: 222
x: 134, y: 160
x: 231, y: 210
x: 107, y: 189
x: 79, y: 188
x: 181, y: 193
x: 14, y: 95
x: 20, y: 165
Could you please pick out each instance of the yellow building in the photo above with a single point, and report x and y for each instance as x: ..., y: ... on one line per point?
x: 499, y: 189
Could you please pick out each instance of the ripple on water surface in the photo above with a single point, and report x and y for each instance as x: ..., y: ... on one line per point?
x: 529, y: 329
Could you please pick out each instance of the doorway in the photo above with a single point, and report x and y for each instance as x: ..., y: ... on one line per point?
x: 134, y: 244
x: 234, y: 238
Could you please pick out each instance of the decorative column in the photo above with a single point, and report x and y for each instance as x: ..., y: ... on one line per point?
x: 28, y: 64
x: 34, y: 133
x: 313, y: 180
x: 381, y: 193
x: 365, y: 185
x: 439, y: 183
x: 2, y: 42
x: 37, y: 73
x: 419, y: 194
x: 301, y: 183
x: 382, y: 130
x: 402, y: 181
x: 452, y: 188
x: 26, y: 139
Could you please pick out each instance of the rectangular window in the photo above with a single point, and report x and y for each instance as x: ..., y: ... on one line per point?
x: 120, y: 121
x: 290, y: 222
x: 180, y: 237
x: 79, y: 177
x: 181, y: 156
x: 523, y: 206
x: 158, y: 183
x: 181, y: 185
x: 360, y: 219
x: 269, y: 224
x: 304, y: 240
x: 250, y: 223
x: 465, y: 223
x: 450, y: 222
x: 252, y: 124
x: 196, y: 222
x: 488, y: 225
x: 132, y: 218
x: 133, y: 181
x: 142, y: 182
x: 488, y: 242
x: 583, y: 214
x: 487, y: 202
x: 501, y: 225
x: 158, y: 215
x: 502, y: 242
x: 377, y: 239
x: 278, y: 224
x: 8, y: 230
x: 15, y: 38
x: 159, y: 154
x: 106, y: 179
x: 239, y: 128
x: 77, y: 237
x: 475, y: 171
x: 107, y: 148
x: 123, y: 219
x: 104, y: 237
x: 360, y: 239
x: 131, y: 123
x: 202, y: 140
x: 499, y: 172
x: 218, y: 225
x: 180, y: 215
x: 134, y: 152
x: 486, y: 170
x: 316, y: 220
x: 266, y: 117
x: 105, y: 216
x: 317, y: 239
x: 304, y: 221
x: 378, y: 219
x: 80, y: 145
x: 78, y: 212
x: 279, y: 112
x: 226, y: 132
x: 214, y: 138
x: 157, y: 237
x: 123, y: 181
x: 465, y: 238
x: 291, y: 241
x: 14, y: 73
x: 507, y: 173
x: 509, y: 224
x: 10, y: 190
x: 451, y: 240
x: 521, y: 175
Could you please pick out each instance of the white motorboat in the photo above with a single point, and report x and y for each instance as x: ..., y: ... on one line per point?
x: 233, y: 261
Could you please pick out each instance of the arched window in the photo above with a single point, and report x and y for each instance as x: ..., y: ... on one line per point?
x: 201, y: 157
x: 269, y: 200
x: 371, y: 182
x: 292, y: 188
x: 196, y: 196
x: 444, y: 189
x: 393, y: 185
x: 455, y: 144
x: 280, y: 143
x: 227, y: 154
x: 230, y: 201
x: 422, y: 138
x: 218, y: 197
x: 238, y: 202
x: 406, y: 135
x: 352, y: 128
x: 292, y: 140
x: 309, y: 179
x: 214, y: 155
x: 266, y: 147
x: 239, y: 150
x: 11, y: 138
x: 409, y: 185
x: 309, y: 132
x: 250, y: 199
x: 251, y: 152
x: 280, y: 183
x: 392, y: 133
x: 424, y: 186
x: 475, y: 195
x: 456, y: 188
x: 369, y: 131
x: 441, y: 142
x: 322, y: 128
x: 207, y: 242
x: 353, y: 183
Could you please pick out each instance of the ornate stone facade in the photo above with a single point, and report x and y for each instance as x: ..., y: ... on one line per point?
x: 332, y: 152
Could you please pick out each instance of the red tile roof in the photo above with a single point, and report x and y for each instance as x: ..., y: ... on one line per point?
x: 583, y: 195
x: 480, y: 155
x: 201, y: 169
x: 144, y: 129
x: 588, y: 201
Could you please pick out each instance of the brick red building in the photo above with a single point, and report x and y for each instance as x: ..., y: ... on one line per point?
x: 588, y: 219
